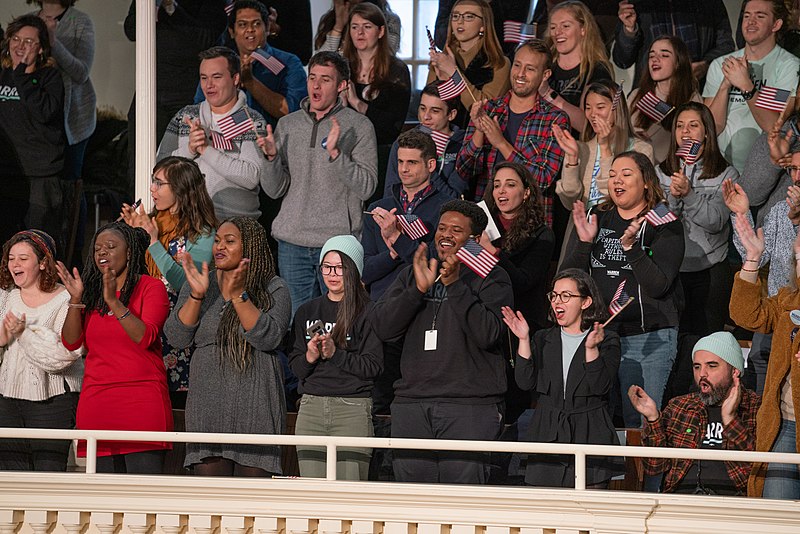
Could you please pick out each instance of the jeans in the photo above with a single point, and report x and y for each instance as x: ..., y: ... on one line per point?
x: 646, y: 361
x: 783, y: 480
x: 757, y: 361
x: 299, y: 267
x: 334, y: 416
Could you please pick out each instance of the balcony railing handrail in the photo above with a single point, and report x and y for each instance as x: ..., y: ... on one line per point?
x: 331, y: 443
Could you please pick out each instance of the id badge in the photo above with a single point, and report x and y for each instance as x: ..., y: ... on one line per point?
x: 430, y: 339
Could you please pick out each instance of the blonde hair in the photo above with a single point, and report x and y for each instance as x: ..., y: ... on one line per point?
x: 593, y: 51
x: 490, y: 44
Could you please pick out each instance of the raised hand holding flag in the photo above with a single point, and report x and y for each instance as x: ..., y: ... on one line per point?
x: 653, y: 107
x: 452, y: 87
x: 235, y: 124
x: 412, y: 226
x: 689, y: 151
x: 619, y: 299
x: 659, y: 215
x: 477, y: 258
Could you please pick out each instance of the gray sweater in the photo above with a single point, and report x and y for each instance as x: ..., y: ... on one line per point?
x: 704, y: 215
x: 322, y: 197
x: 232, y: 176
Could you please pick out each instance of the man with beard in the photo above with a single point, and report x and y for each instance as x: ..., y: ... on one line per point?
x: 721, y: 415
x: 516, y: 127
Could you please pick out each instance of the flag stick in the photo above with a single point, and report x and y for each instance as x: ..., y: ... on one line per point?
x: 251, y: 120
x: 618, y: 312
x: 466, y: 85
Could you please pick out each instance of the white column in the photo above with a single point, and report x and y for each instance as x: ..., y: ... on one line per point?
x: 145, y: 99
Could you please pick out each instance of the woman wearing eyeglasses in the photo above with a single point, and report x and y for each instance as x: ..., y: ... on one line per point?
x: 572, y: 367
x: 473, y: 51
x: 336, y: 357
x: 182, y: 221
x: 31, y: 131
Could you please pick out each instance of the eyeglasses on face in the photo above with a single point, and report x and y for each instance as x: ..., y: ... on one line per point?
x: 16, y: 40
x: 155, y: 182
x: 791, y: 169
x: 564, y: 296
x: 468, y: 17
x: 335, y: 270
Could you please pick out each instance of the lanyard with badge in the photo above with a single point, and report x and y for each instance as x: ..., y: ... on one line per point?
x: 432, y: 335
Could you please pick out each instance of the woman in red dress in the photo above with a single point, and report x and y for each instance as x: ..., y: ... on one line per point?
x: 118, y: 312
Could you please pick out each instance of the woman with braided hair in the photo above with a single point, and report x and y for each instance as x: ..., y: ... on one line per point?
x: 236, y: 315
x: 39, y: 377
x: 117, y: 311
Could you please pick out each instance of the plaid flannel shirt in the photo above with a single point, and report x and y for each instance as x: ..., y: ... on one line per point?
x: 534, y: 146
x: 682, y: 424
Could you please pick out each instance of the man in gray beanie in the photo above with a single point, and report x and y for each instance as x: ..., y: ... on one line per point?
x: 720, y: 415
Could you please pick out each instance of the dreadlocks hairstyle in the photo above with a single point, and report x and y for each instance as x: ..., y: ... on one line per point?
x: 531, y: 212
x: 44, y: 247
x: 137, y: 241
x: 232, y: 344
x: 352, y: 304
x: 194, y: 209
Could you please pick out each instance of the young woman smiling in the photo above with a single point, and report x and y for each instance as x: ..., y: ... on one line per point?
x: 337, y: 364
x: 617, y: 246
x: 474, y: 50
x: 182, y: 220
x: 236, y: 316
x: 117, y: 311
x: 39, y: 378
x: 572, y: 366
x: 380, y: 85
x: 669, y: 77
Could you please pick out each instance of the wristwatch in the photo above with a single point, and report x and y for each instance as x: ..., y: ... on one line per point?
x: 748, y: 95
x: 244, y: 297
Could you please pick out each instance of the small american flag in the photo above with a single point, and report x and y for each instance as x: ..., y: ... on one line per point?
x: 772, y: 98
x: 412, y: 226
x: 477, y: 258
x: 689, y: 151
x: 619, y: 300
x: 660, y: 215
x: 268, y: 60
x: 235, y: 124
x: 452, y: 87
x: 229, y: 6
x: 653, y: 107
x: 219, y: 142
x: 439, y: 139
x: 431, y: 42
x: 617, y: 97
x: 517, y: 32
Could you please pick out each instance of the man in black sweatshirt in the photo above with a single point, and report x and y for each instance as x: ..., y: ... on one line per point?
x: 453, y: 373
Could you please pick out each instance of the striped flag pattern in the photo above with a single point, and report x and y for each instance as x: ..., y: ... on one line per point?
x: 431, y: 42
x: 689, y: 151
x: 268, y: 60
x: 619, y: 300
x: 477, y: 258
x: 219, y: 142
x: 653, y: 107
x: 452, y: 87
x: 439, y: 139
x: 517, y: 32
x: 660, y: 215
x: 412, y: 226
x: 229, y: 6
x: 617, y: 97
x: 235, y: 124
x: 772, y: 99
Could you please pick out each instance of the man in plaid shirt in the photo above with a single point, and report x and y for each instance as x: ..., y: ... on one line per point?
x: 721, y: 415
x: 516, y: 127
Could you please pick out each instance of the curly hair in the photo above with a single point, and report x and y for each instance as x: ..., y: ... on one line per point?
x: 48, y: 277
x: 137, y: 241
x: 230, y: 341
x: 531, y: 212
x: 193, y: 207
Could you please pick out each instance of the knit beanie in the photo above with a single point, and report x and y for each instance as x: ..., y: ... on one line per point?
x: 723, y: 345
x: 346, y: 244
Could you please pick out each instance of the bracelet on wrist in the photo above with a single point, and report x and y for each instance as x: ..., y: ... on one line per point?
x: 751, y: 261
x: 80, y: 305
x: 749, y: 270
x: 124, y: 315
x: 199, y: 299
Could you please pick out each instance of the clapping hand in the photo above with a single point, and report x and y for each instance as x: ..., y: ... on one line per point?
x: 631, y: 234
x: 71, y: 280
x: 642, y: 403
x: 425, y: 270
x: 197, y: 135
x: 735, y: 198
x: 585, y: 227
x: 197, y: 280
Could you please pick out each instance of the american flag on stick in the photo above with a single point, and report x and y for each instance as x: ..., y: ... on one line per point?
x: 219, y: 142
x: 689, y: 151
x: 235, y: 124
x: 452, y: 87
x: 653, y: 107
x: 477, y: 258
x: 412, y: 226
x: 439, y: 139
x: 617, y: 97
x: 772, y: 98
x: 619, y: 300
x: 268, y: 60
x: 229, y: 6
x: 660, y: 215
x: 518, y: 32
x: 431, y: 42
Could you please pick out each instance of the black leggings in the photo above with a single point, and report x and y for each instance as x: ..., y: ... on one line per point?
x: 140, y: 463
x: 216, y: 466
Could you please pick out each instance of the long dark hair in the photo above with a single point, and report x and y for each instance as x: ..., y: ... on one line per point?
x: 531, y: 214
x: 328, y: 21
x: 43, y: 59
x: 193, y: 207
x: 353, y: 302
x: 231, y: 342
x: 714, y: 162
x: 653, y: 194
x: 681, y: 87
x: 622, y: 132
x: 596, y: 312
x: 383, y: 55
x: 137, y: 241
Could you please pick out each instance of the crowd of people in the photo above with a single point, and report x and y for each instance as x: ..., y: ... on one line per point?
x: 539, y: 243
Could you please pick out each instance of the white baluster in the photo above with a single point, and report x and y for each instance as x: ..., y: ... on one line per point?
x: 106, y: 522
x: 362, y: 527
x: 10, y: 520
x: 40, y: 521
x: 172, y: 523
x: 204, y: 524
x: 297, y: 525
x: 329, y: 526
x: 139, y: 523
x: 74, y: 522
x: 237, y: 524
x: 267, y: 525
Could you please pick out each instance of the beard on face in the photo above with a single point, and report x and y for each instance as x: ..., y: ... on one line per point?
x: 717, y: 394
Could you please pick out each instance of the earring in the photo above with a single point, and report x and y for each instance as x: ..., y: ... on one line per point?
x: 480, y: 33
